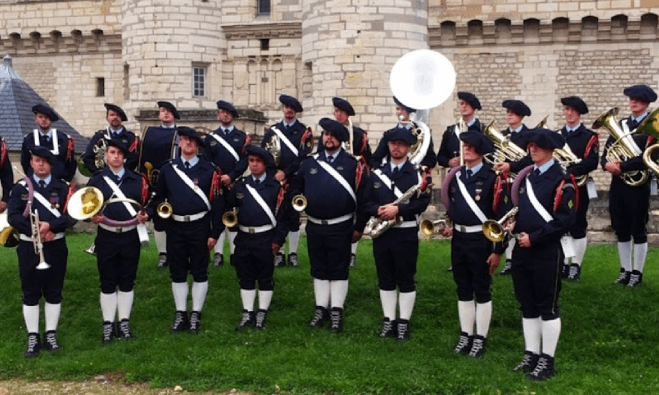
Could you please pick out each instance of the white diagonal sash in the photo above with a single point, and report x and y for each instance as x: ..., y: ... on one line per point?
x: 285, y: 140
x: 55, y: 150
x: 141, y: 228
x: 338, y: 177
x: 262, y: 203
x: 627, y: 136
x: 387, y: 181
x: 470, y: 201
x: 226, y: 146
x: 46, y: 204
x: 184, y: 177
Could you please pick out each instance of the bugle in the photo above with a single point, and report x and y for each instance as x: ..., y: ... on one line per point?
x: 429, y: 227
x: 230, y: 218
x: 165, y: 210
x: 299, y: 203
x: 496, y: 231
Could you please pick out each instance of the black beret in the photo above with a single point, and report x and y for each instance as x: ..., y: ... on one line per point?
x: 471, y: 99
x: 335, y: 128
x: 116, y: 109
x: 119, y: 144
x: 189, y: 132
x: 403, y: 106
x: 43, y: 152
x: 343, y: 104
x: 401, y: 134
x: 518, y: 107
x: 291, y: 102
x: 481, y: 143
x: 45, y: 110
x: 576, y: 103
x: 170, y: 107
x: 226, y: 106
x: 263, y: 153
x: 641, y: 92
x: 544, y: 138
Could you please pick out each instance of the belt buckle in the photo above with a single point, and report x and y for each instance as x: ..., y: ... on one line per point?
x: 119, y: 229
x: 463, y: 229
x: 250, y: 231
x: 186, y: 218
x: 324, y: 222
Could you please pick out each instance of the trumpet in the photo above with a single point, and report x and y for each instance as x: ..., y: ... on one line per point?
x: 36, y: 240
x: 299, y: 203
x: 437, y: 226
x: 165, y: 210
x: 230, y: 218
x: 495, y: 231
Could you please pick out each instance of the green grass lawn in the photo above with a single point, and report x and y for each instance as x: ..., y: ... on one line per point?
x: 609, y: 344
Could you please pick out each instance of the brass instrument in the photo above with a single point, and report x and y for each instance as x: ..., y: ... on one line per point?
x: 230, y: 218
x: 504, y: 149
x: 623, y: 148
x: 437, y: 226
x: 299, y: 203
x: 165, y: 210
x: 376, y: 226
x: 462, y: 126
x: 151, y: 173
x: 8, y: 234
x: 85, y: 203
x: 349, y: 145
x: 542, y: 124
x: 650, y: 126
x: 100, y: 162
x: 419, y: 149
x: 566, y: 158
x: 273, y: 146
x: 496, y: 231
x: 36, y: 240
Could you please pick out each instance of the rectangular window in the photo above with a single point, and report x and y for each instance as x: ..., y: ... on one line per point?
x: 199, y: 81
x: 265, y: 44
x: 100, y: 87
x: 263, y: 7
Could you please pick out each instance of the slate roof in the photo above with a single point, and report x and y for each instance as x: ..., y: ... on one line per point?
x: 16, y: 117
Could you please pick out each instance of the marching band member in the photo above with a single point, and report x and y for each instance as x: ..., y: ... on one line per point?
x: 115, y: 116
x: 160, y: 147
x: 191, y: 185
x: 584, y: 143
x: 545, y: 198
x: 296, y: 142
x: 449, y: 151
x: 342, y: 112
x: 42, y: 194
x: 403, y: 113
x: 332, y: 182
x: 628, y: 205
x: 397, y: 249
x: 118, y: 246
x: 6, y: 175
x: 474, y: 194
x: 225, y: 147
x: 261, y: 231
x: 59, y: 143
x: 516, y: 110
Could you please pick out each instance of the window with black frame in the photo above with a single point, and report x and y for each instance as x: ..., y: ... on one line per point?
x: 263, y: 7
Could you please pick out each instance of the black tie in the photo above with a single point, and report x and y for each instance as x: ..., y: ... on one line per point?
x: 469, y: 174
x: 187, y: 165
x: 330, y: 159
x: 46, y: 139
x: 536, y: 173
x: 396, y: 170
x: 257, y: 182
x: 42, y: 184
x: 633, y: 124
x: 226, y: 131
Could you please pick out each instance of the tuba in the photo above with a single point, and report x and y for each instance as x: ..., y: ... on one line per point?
x: 100, y: 162
x: 623, y: 148
x: 566, y: 158
x: 542, y: 124
x: 273, y: 146
x: 504, y: 149
x: 650, y: 126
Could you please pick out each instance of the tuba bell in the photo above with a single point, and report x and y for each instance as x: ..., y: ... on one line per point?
x: 650, y: 127
x: 623, y: 148
x: 504, y: 149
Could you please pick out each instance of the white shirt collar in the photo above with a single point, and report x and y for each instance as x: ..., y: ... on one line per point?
x: 569, y: 129
x: 193, y: 161
x: 473, y: 121
x: 474, y: 169
x: 544, y: 167
x: 120, y: 173
x: 260, y: 179
x: 46, y: 180
x: 519, y: 129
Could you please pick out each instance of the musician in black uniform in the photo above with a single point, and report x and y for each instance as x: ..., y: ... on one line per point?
x: 191, y: 185
x: 474, y: 194
x: 117, y: 242
x: 333, y: 183
x: 296, y: 141
x: 158, y: 147
x: 115, y: 116
x: 545, y: 198
x: 342, y: 112
x: 516, y: 110
x: 6, y: 175
x: 262, y: 230
x: 49, y: 200
x: 380, y: 156
x: 225, y: 147
x: 59, y: 143
x: 448, y: 155
x: 584, y: 143
x: 397, y: 249
x: 628, y: 205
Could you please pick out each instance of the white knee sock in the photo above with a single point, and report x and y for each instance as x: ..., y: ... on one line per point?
x: 293, y: 241
x: 124, y: 304
x: 232, y: 238
x: 219, y: 246
x: 180, y: 291
x: 264, y: 299
x: 566, y: 260
x: 199, y: 291
x: 509, y: 249
x: 321, y: 290
x: 338, y: 293
x: 406, y: 304
x: 248, y: 296
x: 625, y: 254
x: 353, y: 248
x: 640, y: 253
x: 551, y: 330
x: 389, y: 300
x: 161, y: 241
x: 483, y: 318
x: 51, y: 313
x: 532, y: 334
x: 467, y: 315
x: 580, y: 246
x: 31, y: 316
x: 108, y: 306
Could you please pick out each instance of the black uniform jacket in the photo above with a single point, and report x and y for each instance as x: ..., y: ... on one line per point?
x: 578, y: 141
x: 358, y: 147
x: 126, y: 137
x: 6, y: 172
x: 62, y: 169
x: 289, y: 162
x: 215, y: 151
x: 131, y: 184
x: 184, y: 200
x: 450, y: 146
x: 381, y: 154
x: 635, y: 163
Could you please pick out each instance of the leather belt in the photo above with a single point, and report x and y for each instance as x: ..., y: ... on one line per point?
x: 29, y: 238
x: 332, y: 221
x: 189, y: 218
x: 117, y: 229
x: 406, y: 224
x: 255, y: 229
x: 468, y: 228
